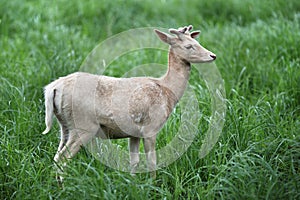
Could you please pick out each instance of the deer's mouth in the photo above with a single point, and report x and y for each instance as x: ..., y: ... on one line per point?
x: 209, y: 58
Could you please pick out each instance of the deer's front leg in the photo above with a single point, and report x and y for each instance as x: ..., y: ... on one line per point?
x: 149, y: 146
x: 134, y: 146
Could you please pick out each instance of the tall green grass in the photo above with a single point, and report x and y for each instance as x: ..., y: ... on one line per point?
x: 257, y: 44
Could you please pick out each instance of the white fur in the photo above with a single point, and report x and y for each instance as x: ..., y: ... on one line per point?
x: 88, y: 105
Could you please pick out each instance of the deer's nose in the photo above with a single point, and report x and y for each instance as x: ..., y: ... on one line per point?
x: 213, y: 56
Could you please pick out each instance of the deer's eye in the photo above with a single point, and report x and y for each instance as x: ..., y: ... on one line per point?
x: 189, y: 46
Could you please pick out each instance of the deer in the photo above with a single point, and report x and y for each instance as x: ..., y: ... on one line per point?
x: 89, y: 105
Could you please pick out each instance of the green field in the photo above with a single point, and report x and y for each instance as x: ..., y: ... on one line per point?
x: 257, y: 44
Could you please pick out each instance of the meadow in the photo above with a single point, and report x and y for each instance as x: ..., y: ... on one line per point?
x: 257, y: 44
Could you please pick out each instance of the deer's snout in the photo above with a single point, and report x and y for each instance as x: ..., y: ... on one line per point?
x: 213, y: 56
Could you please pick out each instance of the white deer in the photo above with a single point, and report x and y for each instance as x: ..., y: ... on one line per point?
x: 88, y: 105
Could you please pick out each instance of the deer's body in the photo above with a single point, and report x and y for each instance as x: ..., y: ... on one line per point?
x: 88, y: 105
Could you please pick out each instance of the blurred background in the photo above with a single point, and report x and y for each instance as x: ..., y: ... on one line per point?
x: 257, y: 46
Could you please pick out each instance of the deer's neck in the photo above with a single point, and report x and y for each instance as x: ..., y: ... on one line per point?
x: 177, y: 75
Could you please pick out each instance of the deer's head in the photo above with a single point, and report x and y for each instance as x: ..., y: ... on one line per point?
x: 184, y: 45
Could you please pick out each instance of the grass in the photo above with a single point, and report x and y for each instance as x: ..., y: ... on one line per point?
x: 257, y: 44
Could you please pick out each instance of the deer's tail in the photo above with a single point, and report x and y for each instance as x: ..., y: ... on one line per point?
x: 49, y: 105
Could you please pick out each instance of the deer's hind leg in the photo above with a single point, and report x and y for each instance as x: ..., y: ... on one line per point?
x: 76, y: 139
x: 64, y: 134
x: 69, y: 147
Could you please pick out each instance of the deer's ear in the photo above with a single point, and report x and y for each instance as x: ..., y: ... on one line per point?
x: 195, y: 34
x: 164, y: 36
